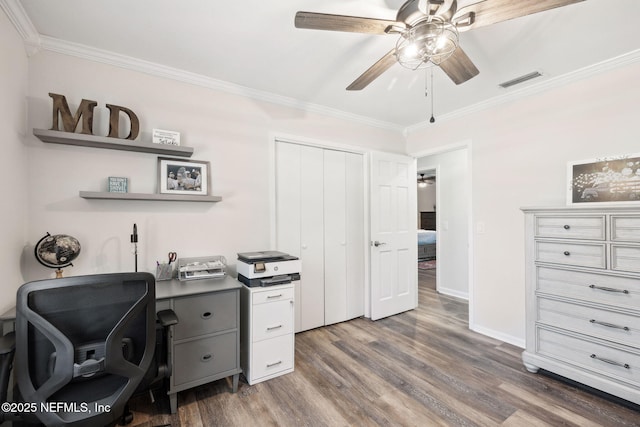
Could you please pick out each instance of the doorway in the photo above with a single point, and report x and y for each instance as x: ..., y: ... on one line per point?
x: 451, y: 209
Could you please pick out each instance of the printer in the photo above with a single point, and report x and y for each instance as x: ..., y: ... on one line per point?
x: 267, y: 268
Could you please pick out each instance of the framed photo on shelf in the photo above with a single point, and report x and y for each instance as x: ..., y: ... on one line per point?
x: 176, y: 176
x: 610, y: 180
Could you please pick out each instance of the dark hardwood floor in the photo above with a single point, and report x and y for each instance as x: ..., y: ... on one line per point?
x: 419, y: 368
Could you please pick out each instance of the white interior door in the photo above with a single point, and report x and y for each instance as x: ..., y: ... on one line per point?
x: 394, y: 281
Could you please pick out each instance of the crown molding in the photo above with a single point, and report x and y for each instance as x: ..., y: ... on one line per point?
x: 22, y: 23
x: 542, y: 86
x: 139, y: 65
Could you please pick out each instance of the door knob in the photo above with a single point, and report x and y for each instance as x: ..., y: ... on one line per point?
x: 376, y: 243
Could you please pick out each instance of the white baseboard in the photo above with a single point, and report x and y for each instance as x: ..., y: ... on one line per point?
x: 454, y: 293
x: 518, y: 342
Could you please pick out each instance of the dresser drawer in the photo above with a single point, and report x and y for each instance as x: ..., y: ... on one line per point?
x: 204, y: 314
x: 599, y: 288
x: 272, y: 320
x: 578, y: 254
x: 621, y: 363
x: 571, y: 227
x: 625, y: 228
x: 618, y: 327
x: 201, y: 358
x: 276, y: 294
x: 625, y: 258
x: 272, y: 356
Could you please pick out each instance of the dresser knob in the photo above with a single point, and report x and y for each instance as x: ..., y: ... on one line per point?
x: 567, y: 226
x: 206, y: 315
x: 567, y: 253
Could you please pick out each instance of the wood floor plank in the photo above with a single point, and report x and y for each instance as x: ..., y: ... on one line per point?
x: 419, y: 368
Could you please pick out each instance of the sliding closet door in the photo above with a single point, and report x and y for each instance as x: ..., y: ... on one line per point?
x: 354, y: 184
x: 312, y: 238
x: 343, y: 236
x: 335, y: 243
x: 319, y: 218
x: 287, y: 204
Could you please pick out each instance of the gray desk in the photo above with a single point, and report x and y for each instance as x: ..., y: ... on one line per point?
x: 205, y: 345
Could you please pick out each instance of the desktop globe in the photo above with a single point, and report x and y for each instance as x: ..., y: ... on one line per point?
x: 57, y: 251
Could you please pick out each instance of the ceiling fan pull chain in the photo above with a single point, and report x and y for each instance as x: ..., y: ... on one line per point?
x: 432, y: 119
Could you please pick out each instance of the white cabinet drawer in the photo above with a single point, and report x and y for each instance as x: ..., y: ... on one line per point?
x: 625, y: 228
x: 578, y: 254
x: 272, y: 320
x: 621, y: 363
x: 599, y: 288
x: 204, y: 314
x: 275, y: 294
x: 571, y: 227
x: 625, y: 258
x: 272, y: 356
x: 606, y: 324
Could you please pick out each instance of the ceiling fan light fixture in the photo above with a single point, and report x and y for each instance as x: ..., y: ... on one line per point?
x: 428, y: 42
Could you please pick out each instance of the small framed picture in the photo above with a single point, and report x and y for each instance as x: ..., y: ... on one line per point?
x: 610, y: 180
x: 176, y: 176
x: 118, y: 184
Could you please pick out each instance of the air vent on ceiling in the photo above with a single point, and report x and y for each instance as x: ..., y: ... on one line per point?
x: 520, y: 79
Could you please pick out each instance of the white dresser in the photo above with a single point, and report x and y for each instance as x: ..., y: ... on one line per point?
x: 267, y: 331
x: 583, y: 296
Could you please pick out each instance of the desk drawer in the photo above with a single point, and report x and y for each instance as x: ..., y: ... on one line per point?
x: 578, y: 254
x: 272, y: 320
x: 571, y: 227
x: 271, y: 295
x: 619, y: 363
x: 205, y: 314
x: 272, y: 356
x: 198, y: 359
x: 610, y: 325
x: 600, y: 288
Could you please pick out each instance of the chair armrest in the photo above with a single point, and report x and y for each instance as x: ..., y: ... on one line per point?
x: 167, y: 318
x: 8, y: 343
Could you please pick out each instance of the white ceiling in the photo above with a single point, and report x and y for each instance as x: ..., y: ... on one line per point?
x: 253, y: 44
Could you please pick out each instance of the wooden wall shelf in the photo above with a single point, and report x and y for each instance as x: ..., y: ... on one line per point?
x: 148, y: 196
x: 69, y: 138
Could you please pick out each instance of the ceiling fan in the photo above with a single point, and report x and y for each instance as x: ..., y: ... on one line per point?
x: 428, y: 31
x: 423, y: 182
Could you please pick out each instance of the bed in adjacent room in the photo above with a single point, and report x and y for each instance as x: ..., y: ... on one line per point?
x: 426, y: 244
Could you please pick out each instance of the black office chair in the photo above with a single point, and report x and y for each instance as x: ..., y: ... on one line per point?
x: 83, y: 346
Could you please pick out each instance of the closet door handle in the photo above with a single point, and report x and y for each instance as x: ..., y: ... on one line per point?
x: 376, y: 243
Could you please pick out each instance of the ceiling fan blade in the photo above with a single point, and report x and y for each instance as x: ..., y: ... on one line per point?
x: 459, y: 67
x: 374, y: 71
x: 489, y: 12
x: 355, y: 24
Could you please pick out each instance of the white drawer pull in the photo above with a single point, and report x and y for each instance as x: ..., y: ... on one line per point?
x: 611, y: 362
x: 604, y: 288
x: 608, y: 325
x: 271, y: 328
x: 274, y: 296
x: 206, y: 358
x: 271, y: 365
